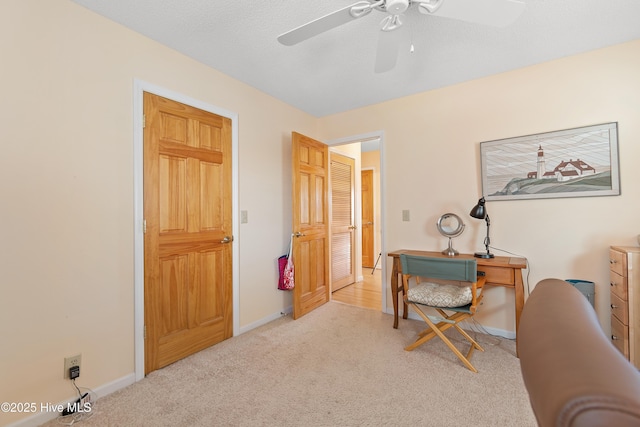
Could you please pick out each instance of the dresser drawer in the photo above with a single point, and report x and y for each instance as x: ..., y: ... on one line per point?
x: 618, y: 262
x: 618, y: 285
x: 619, y: 309
x: 620, y: 336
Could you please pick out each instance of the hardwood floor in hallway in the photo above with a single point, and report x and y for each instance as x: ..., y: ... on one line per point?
x: 365, y: 294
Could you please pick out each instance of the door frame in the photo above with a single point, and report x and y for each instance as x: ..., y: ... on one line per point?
x: 379, y: 135
x: 139, y: 87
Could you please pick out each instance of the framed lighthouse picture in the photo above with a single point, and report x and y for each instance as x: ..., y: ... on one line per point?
x: 579, y: 162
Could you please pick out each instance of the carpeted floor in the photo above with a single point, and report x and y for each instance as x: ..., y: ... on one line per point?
x: 337, y: 366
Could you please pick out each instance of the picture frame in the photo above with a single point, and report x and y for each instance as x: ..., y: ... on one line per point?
x: 577, y: 162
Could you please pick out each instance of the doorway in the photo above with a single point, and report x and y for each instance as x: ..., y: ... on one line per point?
x: 368, y: 218
x: 140, y: 87
x: 369, y: 289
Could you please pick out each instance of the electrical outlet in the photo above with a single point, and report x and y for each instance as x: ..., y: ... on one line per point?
x: 69, y: 362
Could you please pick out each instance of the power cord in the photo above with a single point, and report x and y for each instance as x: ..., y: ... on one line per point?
x: 81, y: 409
x: 477, y: 324
x: 528, y: 288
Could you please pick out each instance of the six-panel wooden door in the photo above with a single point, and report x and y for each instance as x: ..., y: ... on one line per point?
x: 310, y: 221
x: 187, y: 210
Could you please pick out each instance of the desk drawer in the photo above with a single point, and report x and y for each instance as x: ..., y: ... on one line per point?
x: 498, y: 275
x: 620, y: 336
x: 618, y: 285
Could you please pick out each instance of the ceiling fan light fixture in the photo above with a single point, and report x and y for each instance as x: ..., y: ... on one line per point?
x: 360, y: 9
x: 429, y: 6
x: 391, y: 22
x: 396, y: 7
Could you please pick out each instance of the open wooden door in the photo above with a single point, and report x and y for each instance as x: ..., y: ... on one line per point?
x: 310, y: 183
x: 343, y: 229
x: 367, y: 218
x: 187, y: 210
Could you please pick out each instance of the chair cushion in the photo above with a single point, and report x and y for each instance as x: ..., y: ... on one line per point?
x: 440, y: 295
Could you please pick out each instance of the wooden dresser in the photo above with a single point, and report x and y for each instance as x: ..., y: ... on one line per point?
x: 624, y: 278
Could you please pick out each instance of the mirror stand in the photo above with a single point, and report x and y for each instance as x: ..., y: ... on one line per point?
x: 450, y: 225
x: 450, y: 251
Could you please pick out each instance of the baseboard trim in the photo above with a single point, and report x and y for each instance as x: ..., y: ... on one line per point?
x: 101, y: 391
x: 264, y: 321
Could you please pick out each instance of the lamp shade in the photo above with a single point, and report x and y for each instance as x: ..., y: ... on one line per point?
x: 478, y: 210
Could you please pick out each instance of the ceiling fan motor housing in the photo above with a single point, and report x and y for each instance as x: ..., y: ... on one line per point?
x: 396, y: 7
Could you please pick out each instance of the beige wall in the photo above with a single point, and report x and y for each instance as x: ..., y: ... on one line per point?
x: 67, y: 259
x: 431, y: 150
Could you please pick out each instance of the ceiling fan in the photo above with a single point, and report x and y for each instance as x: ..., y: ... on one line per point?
x: 498, y: 13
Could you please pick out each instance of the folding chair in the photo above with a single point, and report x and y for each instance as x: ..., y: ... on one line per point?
x: 444, y: 284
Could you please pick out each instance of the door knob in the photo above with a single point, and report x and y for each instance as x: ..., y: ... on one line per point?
x: 298, y: 234
x: 227, y: 239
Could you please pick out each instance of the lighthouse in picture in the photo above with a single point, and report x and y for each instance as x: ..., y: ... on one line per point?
x: 541, y: 165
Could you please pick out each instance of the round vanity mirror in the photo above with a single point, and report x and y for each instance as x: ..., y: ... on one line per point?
x: 450, y: 225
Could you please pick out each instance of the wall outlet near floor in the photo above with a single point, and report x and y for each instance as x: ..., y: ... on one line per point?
x: 69, y: 362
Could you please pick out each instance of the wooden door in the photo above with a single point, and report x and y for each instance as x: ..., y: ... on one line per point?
x: 368, y: 228
x: 187, y: 210
x: 310, y: 184
x: 343, y: 235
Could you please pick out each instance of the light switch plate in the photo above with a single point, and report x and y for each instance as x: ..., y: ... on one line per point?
x: 405, y: 215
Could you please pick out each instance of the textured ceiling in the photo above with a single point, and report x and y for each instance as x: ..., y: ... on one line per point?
x: 333, y: 72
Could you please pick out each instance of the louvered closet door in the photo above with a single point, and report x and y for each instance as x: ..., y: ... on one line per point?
x: 342, y: 222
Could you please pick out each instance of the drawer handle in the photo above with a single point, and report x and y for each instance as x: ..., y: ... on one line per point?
x: 614, y: 338
x: 613, y: 306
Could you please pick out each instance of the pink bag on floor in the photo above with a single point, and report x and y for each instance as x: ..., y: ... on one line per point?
x: 285, y: 267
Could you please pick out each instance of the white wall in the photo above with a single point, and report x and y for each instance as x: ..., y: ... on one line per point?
x: 432, y: 167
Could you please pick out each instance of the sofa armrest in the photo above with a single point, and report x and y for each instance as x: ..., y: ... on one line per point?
x: 573, y: 374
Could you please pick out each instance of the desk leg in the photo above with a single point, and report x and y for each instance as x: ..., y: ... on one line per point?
x: 519, y: 288
x: 396, y: 289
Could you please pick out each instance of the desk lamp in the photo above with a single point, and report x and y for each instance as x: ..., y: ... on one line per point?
x: 480, y: 212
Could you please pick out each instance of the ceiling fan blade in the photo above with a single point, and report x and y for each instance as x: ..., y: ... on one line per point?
x: 325, y: 23
x: 496, y: 13
x: 388, y: 47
